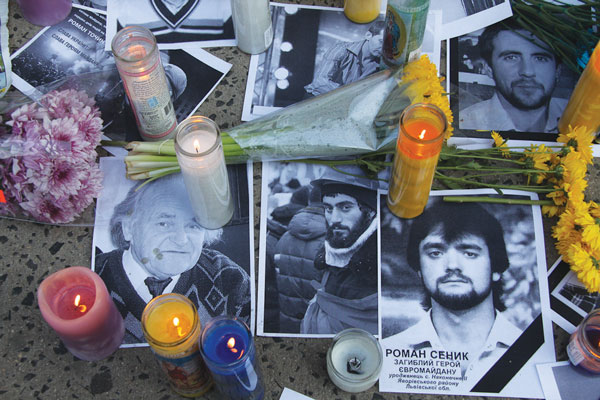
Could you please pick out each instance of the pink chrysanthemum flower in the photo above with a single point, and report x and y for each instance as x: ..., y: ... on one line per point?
x: 48, y: 166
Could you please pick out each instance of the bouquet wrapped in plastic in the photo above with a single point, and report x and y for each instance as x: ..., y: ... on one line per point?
x: 48, y: 169
x: 358, y: 118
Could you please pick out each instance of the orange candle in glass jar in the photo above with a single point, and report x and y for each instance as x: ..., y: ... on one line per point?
x: 420, y: 138
x: 362, y: 11
x: 583, y: 108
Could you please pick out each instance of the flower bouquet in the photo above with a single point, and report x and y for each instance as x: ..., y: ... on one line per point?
x: 358, y: 118
x: 48, y: 169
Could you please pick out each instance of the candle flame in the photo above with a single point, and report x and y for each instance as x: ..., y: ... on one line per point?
x: 82, y: 308
x: 197, y: 146
x: 231, y: 345
x: 176, y: 325
x: 422, y: 135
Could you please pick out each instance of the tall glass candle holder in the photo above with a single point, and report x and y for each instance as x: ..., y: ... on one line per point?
x: 45, y: 12
x: 172, y: 327
x: 362, y: 11
x: 405, y: 22
x: 228, y: 349
x: 354, y: 360
x: 420, y: 137
x: 252, y: 25
x: 202, y: 161
x: 584, y: 345
x: 141, y: 70
x: 583, y: 108
x: 76, y: 304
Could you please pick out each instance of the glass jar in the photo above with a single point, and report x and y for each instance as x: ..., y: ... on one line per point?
x: 584, y: 346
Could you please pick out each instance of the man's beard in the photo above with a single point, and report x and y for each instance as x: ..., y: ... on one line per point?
x: 458, y: 302
x: 349, y: 236
x: 519, y: 97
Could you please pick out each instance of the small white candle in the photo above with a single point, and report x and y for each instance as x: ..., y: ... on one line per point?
x: 354, y: 360
x: 200, y: 156
x: 252, y: 25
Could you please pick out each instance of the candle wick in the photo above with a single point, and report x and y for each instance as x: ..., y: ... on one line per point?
x: 354, y: 365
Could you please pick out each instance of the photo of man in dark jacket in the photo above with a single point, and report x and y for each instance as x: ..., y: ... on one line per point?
x: 347, y: 293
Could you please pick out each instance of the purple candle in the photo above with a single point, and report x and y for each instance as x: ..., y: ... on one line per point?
x: 228, y: 350
x: 76, y: 304
x: 45, y: 12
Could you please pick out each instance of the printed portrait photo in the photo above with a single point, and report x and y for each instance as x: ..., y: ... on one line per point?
x: 463, y: 279
x: 318, y: 252
x: 509, y: 81
x: 147, y: 242
x: 175, y: 23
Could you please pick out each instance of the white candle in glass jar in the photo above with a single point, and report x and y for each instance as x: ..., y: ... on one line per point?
x: 354, y: 360
x: 252, y: 25
x: 200, y: 156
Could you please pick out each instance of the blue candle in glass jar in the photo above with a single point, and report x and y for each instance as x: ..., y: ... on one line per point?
x: 228, y: 350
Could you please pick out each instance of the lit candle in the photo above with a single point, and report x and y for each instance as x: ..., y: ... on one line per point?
x: 354, y: 360
x: 362, y: 11
x: 228, y: 349
x: 420, y: 138
x: 200, y: 155
x: 76, y: 304
x: 584, y: 345
x: 138, y: 61
x: 171, y: 327
x: 583, y: 108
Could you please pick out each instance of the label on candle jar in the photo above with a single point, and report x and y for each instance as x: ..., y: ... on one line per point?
x: 404, y: 31
x: 574, y: 354
x: 186, y: 371
x: 151, y: 101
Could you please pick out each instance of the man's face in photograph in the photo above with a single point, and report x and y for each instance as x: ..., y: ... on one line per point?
x: 525, y: 73
x: 457, y: 275
x: 345, y: 220
x: 375, y: 44
x: 164, y: 237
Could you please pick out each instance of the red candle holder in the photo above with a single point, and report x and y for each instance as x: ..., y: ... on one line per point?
x: 76, y: 304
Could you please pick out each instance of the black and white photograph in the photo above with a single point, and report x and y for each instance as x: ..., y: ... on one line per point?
x: 97, y: 4
x: 562, y: 381
x: 463, y: 16
x: 316, y: 49
x: 71, y: 53
x: 462, y: 308
x: 318, y: 252
x: 508, y: 81
x: 176, y: 24
x: 569, y: 299
x: 147, y: 242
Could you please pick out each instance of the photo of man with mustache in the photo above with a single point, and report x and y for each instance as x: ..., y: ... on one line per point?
x: 525, y: 72
x: 347, y: 294
x: 459, y: 252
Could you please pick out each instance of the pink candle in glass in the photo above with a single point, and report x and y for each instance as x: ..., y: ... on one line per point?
x: 45, y: 12
x: 76, y: 304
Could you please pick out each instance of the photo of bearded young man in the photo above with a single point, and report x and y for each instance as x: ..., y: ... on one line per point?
x: 461, y: 278
x: 509, y: 80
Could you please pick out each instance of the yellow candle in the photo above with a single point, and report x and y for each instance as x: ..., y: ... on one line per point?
x: 172, y: 328
x: 583, y: 108
x: 420, y: 138
x: 362, y: 11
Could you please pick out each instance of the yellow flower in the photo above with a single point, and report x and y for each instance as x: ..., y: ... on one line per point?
x: 500, y: 143
x: 559, y: 196
x: 426, y: 87
x: 575, y: 167
x: 580, y: 139
x: 551, y: 211
x: 585, y: 264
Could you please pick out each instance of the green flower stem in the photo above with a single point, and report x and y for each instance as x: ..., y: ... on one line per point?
x: 485, y: 199
x: 497, y: 171
x: 537, y: 189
